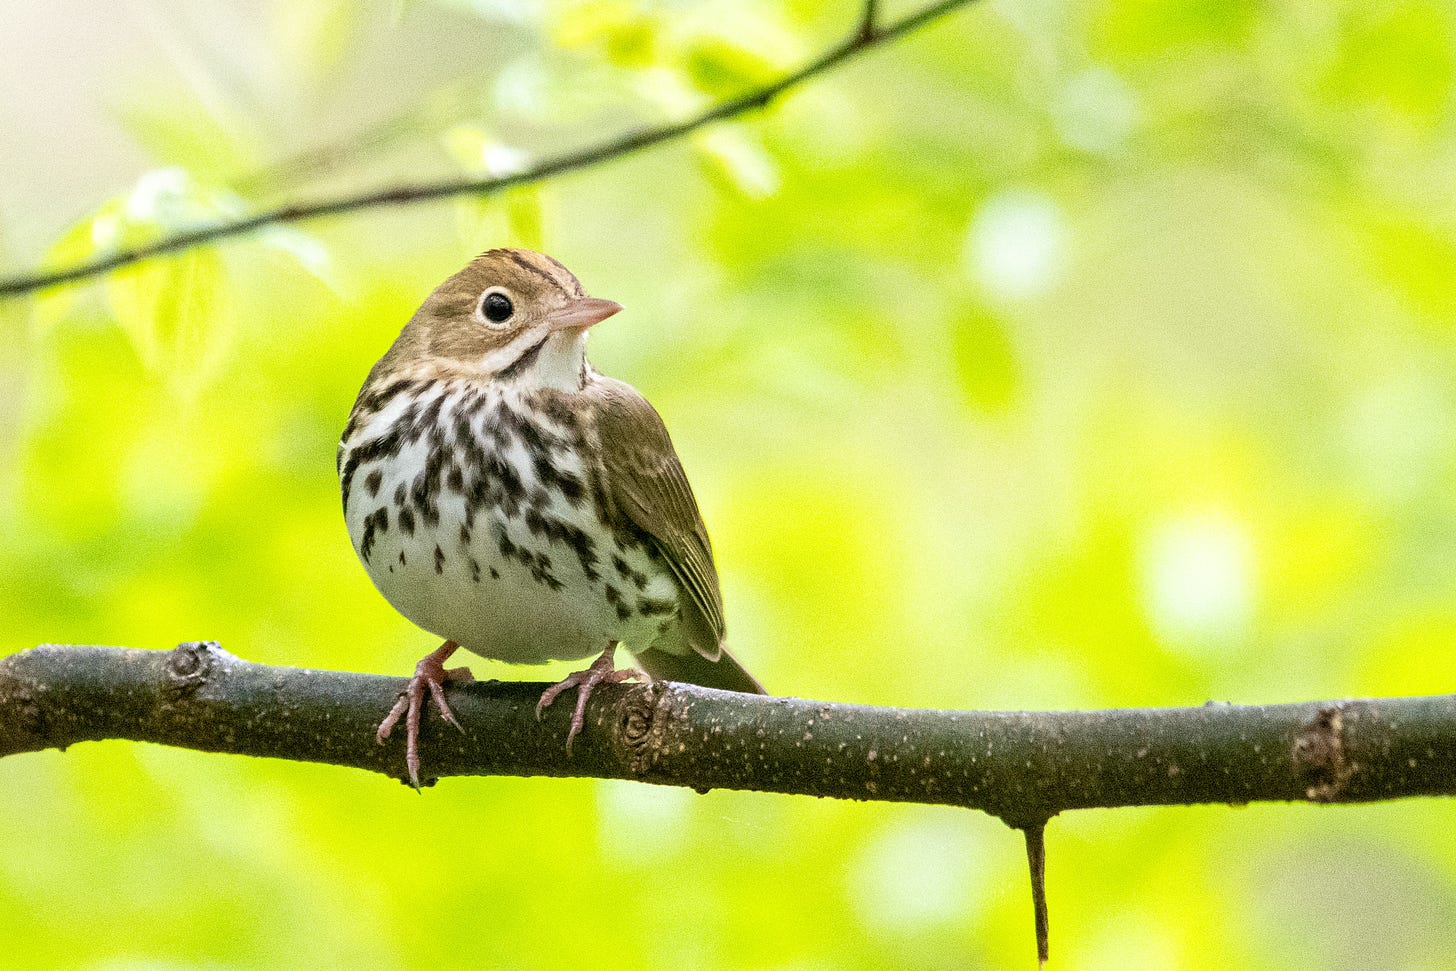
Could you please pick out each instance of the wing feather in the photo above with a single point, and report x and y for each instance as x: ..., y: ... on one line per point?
x: 646, y: 483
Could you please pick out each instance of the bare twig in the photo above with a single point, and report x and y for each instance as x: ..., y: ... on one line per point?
x: 869, y: 23
x: 1035, y: 834
x: 613, y: 148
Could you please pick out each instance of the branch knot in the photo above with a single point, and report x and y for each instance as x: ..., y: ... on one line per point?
x: 190, y: 665
x: 1319, y: 751
x: 642, y: 725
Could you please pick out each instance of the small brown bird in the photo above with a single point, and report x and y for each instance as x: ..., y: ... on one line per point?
x: 506, y: 497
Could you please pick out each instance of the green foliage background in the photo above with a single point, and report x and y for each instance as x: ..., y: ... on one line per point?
x: 1072, y: 353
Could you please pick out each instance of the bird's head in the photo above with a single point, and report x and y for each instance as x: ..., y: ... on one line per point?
x: 510, y: 314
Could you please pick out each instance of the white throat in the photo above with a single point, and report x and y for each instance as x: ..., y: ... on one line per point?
x: 560, y: 362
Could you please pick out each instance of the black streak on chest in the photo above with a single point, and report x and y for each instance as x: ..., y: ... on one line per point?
x: 467, y: 449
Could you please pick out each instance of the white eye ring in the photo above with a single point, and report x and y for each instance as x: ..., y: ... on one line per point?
x: 495, y: 308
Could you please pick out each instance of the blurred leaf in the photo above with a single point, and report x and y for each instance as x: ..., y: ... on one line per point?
x: 736, y: 157
x: 170, y: 308
x: 516, y: 213
x: 1400, y: 57
x: 724, y: 67
x: 319, y: 34
x: 304, y: 250
x: 465, y: 144
x: 986, y: 365
x: 524, y: 217
x: 179, y: 129
x: 1418, y: 260
x: 163, y: 201
x: 1129, y: 30
x: 625, y: 34
x: 476, y: 151
x: 76, y: 245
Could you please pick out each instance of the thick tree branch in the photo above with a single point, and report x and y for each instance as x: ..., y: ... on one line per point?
x: 1024, y: 767
x: 867, y: 35
x: 1021, y: 766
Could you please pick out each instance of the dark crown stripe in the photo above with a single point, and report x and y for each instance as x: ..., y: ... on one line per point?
x: 569, y: 275
x: 526, y: 264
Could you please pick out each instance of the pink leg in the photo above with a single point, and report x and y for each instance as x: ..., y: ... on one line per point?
x: 601, y: 671
x: 430, y: 674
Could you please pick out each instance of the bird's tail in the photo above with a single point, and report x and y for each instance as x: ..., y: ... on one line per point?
x: 724, y: 673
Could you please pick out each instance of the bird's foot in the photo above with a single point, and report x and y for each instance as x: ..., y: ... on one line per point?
x: 601, y: 671
x: 430, y: 674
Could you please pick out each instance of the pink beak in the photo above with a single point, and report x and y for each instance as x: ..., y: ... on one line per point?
x: 582, y: 312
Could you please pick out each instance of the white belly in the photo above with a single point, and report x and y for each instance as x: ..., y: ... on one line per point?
x: 542, y: 581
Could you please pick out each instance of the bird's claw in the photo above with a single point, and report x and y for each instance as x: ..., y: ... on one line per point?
x: 600, y: 671
x: 430, y: 674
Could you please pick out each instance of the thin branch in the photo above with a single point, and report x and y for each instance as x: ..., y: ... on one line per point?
x: 302, y: 166
x: 1036, y: 862
x: 613, y: 148
x: 1021, y: 766
x: 443, y: 106
x: 869, y: 23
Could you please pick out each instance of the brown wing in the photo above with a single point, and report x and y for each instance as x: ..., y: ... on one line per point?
x: 646, y: 483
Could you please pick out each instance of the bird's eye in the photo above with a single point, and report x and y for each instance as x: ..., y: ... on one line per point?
x: 497, y: 308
